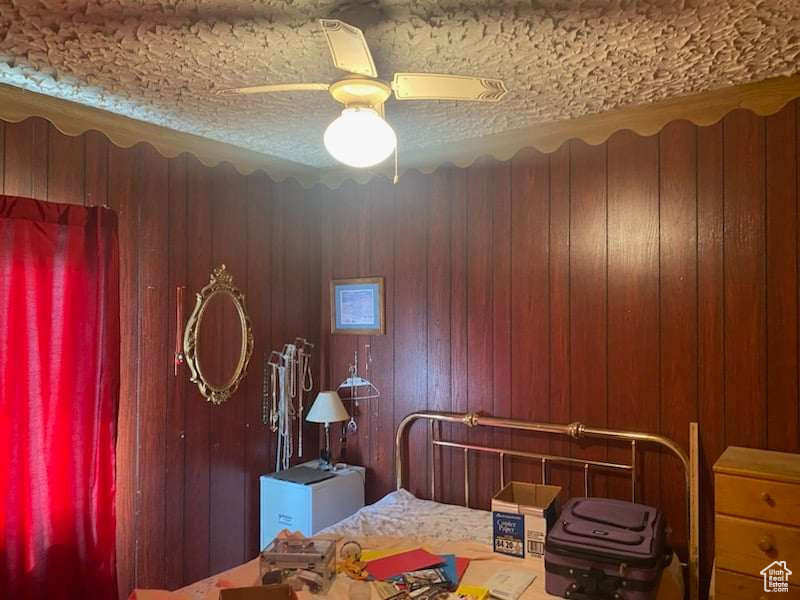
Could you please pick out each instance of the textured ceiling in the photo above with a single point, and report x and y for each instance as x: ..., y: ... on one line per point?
x: 160, y: 61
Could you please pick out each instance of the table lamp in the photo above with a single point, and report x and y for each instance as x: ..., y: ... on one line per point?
x: 327, y: 409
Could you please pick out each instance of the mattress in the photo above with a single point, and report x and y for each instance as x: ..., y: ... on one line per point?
x: 401, y: 519
x: 401, y: 514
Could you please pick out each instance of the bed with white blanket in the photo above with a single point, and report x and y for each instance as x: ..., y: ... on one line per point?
x: 402, y: 521
x: 395, y: 522
x: 402, y: 515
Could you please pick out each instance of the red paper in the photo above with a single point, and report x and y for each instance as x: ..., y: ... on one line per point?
x: 461, y: 566
x: 397, y: 564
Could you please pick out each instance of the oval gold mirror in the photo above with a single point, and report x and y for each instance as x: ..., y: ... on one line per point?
x: 218, y: 341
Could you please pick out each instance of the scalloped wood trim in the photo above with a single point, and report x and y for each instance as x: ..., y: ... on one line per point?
x: 763, y: 98
x: 74, y: 119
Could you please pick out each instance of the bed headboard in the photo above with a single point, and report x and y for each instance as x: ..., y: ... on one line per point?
x: 578, y: 431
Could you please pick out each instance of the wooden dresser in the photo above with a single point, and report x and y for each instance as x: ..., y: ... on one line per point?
x: 757, y: 521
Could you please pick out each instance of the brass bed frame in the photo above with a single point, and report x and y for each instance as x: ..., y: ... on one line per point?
x: 577, y: 431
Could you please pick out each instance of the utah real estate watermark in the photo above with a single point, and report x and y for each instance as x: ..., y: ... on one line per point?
x: 776, y: 577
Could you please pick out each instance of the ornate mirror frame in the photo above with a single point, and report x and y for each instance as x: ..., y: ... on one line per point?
x: 221, y: 282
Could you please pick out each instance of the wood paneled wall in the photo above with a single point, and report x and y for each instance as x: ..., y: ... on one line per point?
x: 638, y: 284
x: 187, y: 472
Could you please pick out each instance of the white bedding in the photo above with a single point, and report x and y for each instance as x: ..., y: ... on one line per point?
x: 398, y: 514
x: 401, y: 514
x: 400, y: 517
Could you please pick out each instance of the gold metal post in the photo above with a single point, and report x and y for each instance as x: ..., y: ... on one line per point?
x: 535, y: 455
x: 466, y: 477
x: 633, y: 470
x: 586, y: 479
x: 433, y: 459
x: 694, y: 512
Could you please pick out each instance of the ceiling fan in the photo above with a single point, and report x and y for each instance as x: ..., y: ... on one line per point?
x: 361, y: 137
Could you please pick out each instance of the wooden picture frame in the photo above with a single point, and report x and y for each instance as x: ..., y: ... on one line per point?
x: 357, y: 306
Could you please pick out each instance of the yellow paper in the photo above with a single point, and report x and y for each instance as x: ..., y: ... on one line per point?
x: 472, y: 592
x: 368, y: 555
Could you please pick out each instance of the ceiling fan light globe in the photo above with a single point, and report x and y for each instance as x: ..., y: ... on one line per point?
x: 360, y: 138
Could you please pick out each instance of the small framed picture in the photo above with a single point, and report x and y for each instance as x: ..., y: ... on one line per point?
x: 357, y: 306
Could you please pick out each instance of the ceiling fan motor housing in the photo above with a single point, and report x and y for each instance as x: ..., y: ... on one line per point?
x: 360, y: 92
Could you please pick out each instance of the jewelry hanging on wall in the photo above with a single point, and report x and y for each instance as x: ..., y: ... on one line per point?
x: 289, y: 376
x: 358, y: 388
x: 273, y: 416
x: 288, y: 412
x: 269, y: 399
x: 305, y: 384
x: 282, y: 416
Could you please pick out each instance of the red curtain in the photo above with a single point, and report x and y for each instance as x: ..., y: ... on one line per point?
x: 59, y: 386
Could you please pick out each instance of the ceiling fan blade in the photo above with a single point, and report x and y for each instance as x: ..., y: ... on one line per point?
x: 275, y: 87
x: 433, y: 86
x: 348, y: 47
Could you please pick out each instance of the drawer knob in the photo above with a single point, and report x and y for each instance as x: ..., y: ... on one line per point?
x: 766, y: 497
x: 766, y: 543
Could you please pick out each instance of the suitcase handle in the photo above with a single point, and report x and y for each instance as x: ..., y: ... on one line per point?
x: 575, y: 592
x: 617, y: 536
x: 594, y: 585
x: 578, y: 595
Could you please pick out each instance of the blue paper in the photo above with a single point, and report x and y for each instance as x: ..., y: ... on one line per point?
x: 450, y: 568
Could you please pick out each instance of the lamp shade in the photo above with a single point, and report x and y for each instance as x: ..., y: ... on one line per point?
x: 360, y: 138
x: 327, y: 408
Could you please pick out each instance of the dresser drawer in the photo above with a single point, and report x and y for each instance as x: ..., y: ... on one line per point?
x: 758, y: 499
x: 747, y: 546
x: 734, y: 586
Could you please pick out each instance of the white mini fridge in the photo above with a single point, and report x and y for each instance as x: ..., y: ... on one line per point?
x: 309, y: 508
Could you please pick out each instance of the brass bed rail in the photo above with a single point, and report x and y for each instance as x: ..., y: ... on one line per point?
x: 577, y: 431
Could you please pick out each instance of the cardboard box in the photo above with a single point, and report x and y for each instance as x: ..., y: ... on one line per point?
x: 522, y: 513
